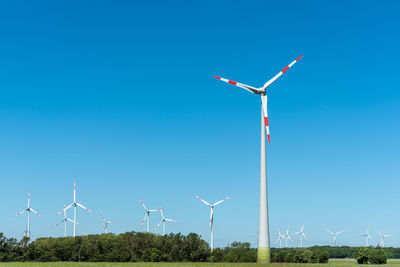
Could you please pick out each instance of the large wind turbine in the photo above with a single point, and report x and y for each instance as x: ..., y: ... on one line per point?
x: 75, y: 204
x: 367, y: 236
x: 280, y: 237
x: 212, y: 217
x: 147, y: 215
x: 334, y: 235
x: 383, y: 238
x: 163, y: 220
x: 106, y: 223
x: 29, y: 210
x: 65, y: 220
x: 263, y: 227
x: 287, y: 236
x: 301, y: 233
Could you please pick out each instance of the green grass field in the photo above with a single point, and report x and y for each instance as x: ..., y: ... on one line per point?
x: 332, y: 263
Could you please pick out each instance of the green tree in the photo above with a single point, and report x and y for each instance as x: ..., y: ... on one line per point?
x: 363, y: 255
x: 378, y: 257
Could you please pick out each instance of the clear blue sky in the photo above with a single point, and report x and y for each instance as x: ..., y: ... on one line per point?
x: 120, y: 96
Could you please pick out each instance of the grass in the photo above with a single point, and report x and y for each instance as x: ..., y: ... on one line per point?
x: 332, y: 263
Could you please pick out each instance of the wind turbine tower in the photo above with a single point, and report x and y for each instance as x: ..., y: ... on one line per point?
x: 75, y: 204
x: 212, y: 217
x: 280, y: 237
x: 263, y: 253
x: 383, y: 238
x: 29, y: 210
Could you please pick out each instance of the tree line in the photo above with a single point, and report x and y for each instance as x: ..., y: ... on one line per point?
x: 148, y: 247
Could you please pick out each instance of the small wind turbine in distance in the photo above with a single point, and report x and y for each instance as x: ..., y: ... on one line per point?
x: 367, y: 236
x: 287, y: 236
x: 163, y: 220
x: 65, y: 220
x: 29, y: 210
x: 147, y: 215
x: 75, y: 204
x: 280, y: 237
x: 334, y: 235
x: 301, y: 233
x: 383, y: 238
x: 106, y: 223
x: 212, y: 217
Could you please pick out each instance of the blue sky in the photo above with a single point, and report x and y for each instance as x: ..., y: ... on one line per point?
x: 120, y: 96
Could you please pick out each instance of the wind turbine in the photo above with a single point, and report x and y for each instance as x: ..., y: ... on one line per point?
x: 301, y: 233
x: 383, y: 238
x: 334, y: 235
x: 287, y: 236
x: 106, y: 223
x: 75, y: 204
x: 263, y: 227
x: 147, y: 215
x: 29, y: 210
x: 212, y: 217
x: 65, y: 220
x: 280, y: 237
x: 367, y: 236
x: 163, y: 220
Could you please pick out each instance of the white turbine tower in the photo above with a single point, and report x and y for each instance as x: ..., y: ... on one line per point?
x: 301, y: 233
x: 75, y: 204
x: 287, y: 236
x: 106, y: 223
x: 367, y: 236
x: 383, y: 238
x: 280, y: 237
x: 29, y: 210
x: 147, y: 215
x: 212, y: 217
x: 334, y: 235
x: 65, y: 220
x: 263, y: 227
x: 163, y: 220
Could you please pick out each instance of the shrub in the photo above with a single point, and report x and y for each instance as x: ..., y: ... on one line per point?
x: 378, y: 257
x: 323, y: 257
x: 363, y: 255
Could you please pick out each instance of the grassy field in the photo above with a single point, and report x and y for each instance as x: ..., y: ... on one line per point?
x: 332, y: 263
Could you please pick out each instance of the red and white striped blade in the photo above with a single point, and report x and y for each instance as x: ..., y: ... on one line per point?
x: 249, y: 88
x: 205, y: 202
x: 61, y: 222
x: 265, y: 114
x: 280, y: 73
x: 64, y: 209
x: 19, y: 213
x: 221, y: 201
x: 211, y: 217
x: 157, y: 225
x: 37, y: 213
x: 143, y: 220
x: 83, y: 207
x: 142, y: 204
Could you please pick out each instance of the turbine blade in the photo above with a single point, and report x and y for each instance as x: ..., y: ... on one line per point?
x: 143, y: 220
x: 170, y: 220
x: 60, y: 222
x: 249, y: 88
x: 142, y: 204
x: 211, y: 217
x: 83, y: 207
x: 265, y: 114
x: 267, y: 84
x: 19, y: 213
x: 222, y: 201
x: 338, y: 233
x: 64, y: 209
x: 330, y: 232
x: 205, y: 202
x: 157, y: 225
x: 37, y: 213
